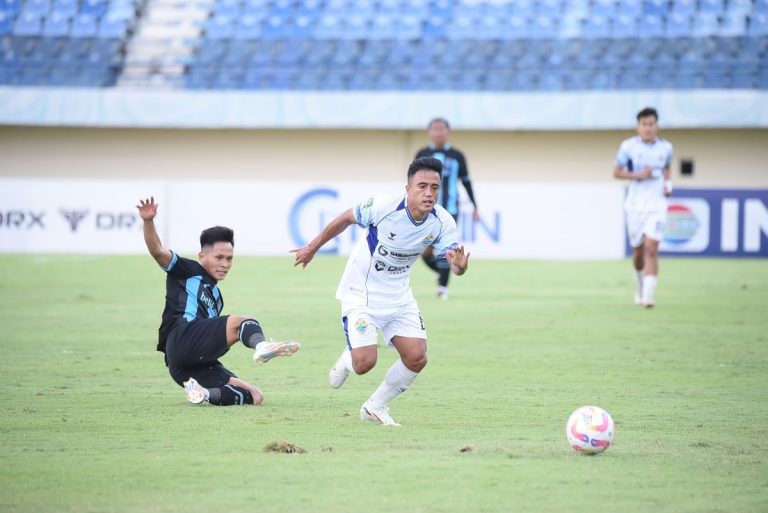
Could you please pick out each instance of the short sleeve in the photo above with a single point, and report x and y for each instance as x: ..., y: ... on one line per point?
x: 183, y: 267
x: 670, y: 153
x: 622, y: 157
x: 448, y: 237
x: 369, y: 212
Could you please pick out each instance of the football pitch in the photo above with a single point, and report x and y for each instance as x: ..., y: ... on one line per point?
x: 91, y: 421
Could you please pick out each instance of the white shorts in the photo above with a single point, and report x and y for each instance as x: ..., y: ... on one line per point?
x: 362, y: 323
x: 646, y: 223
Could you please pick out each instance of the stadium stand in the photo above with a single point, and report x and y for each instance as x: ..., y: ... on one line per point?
x: 485, y: 45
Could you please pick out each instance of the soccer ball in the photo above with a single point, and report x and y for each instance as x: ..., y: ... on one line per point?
x: 589, y: 430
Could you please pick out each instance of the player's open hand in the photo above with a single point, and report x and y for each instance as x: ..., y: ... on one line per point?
x: 147, y: 208
x: 458, y: 258
x: 304, y: 255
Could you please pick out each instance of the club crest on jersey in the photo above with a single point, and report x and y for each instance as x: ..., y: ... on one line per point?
x: 429, y: 239
x: 367, y: 204
x: 361, y: 325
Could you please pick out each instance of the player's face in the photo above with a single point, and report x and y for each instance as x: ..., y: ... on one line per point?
x: 647, y: 128
x: 422, y: 191
x: 217, y: 259
x: 438, y: 133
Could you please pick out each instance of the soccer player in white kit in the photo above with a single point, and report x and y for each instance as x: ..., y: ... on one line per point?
x: 645, y: 160
x: 375, y: 291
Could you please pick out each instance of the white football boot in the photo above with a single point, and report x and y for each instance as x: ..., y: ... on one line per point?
x: 196, y: 394
x: 265, y: 351
x: 377, y: 415
x: 339, y: 372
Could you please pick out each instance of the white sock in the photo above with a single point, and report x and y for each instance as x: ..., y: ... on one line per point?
x: 397, y: 380
x: 639, y: 275
x: 346, y: 358
x: 649, y: 288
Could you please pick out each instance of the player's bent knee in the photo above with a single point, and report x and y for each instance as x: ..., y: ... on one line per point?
x: 363, y: 363
x: 416, y: 363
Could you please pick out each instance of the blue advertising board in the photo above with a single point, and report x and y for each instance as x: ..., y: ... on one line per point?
x: 716, y: 223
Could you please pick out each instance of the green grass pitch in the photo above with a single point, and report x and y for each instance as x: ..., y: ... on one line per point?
x: 91, y: 421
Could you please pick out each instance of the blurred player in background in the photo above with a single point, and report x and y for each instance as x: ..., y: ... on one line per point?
x: 645, y: 161
x: 454, y: 170
x: 193, y: 334
x: 375, y: 291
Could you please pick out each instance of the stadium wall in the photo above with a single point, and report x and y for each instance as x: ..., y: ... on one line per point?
x: 721, y: 157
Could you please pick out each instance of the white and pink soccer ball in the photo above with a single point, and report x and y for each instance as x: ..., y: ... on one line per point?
x: 589, y: 430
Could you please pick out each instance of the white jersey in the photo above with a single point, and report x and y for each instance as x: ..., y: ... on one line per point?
x: 635, y: 155
x: 379, y: 268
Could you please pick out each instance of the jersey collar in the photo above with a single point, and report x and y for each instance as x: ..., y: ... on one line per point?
x: 445, y: 148
x: 402, y: 206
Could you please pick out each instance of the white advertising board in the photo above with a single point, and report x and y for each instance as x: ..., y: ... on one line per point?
x: 518, y: 220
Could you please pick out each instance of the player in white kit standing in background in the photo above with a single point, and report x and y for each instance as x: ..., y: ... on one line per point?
x: 375, y: 291
x: 645, y: 161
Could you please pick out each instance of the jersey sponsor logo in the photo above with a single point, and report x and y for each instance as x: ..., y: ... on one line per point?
x: 367, y: 204
x: 361, y: 325
x: 391, y: 236
x: 208, y: 301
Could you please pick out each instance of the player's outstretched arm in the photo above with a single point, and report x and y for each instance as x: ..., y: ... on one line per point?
x: 459, y: 260
x: 305, y: 254
x: 148, y: 211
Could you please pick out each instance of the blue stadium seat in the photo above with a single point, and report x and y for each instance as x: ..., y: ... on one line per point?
x: 761, y: 6
x: 383, y: 26
x: 83, y: 25
x: 624, y: 27
x: 739, y: 7
x: 37, y: 7
x: 28, y: 24
x: 65, y: 7
x: 548, y: 7
x: 678, y: 25
x: 248, y: 27
x: 111, y: 28
x: 522, y: 8
x: 435, y: 27
x: 95, y: 8
x: 56, y: 25
x: 656, y: 7
x: 10, y: 7
x: 732, y: 25
x: 543, y: 27
x: 571, y: 26
x: 461, y: 27
x: 220, y: 26
x: 596, y: 27
x: 328, y: 26
x: 705, y: 24
x: 651, y: 25
x: 516, y: 28
x: 711, y: 6
x: 275, y: 27
x: 631, y: 8
x: 228, y: 9
x: 6, y: 23
x: 684, y: 7
x: 409, y: 28
x: 758, y: 25
x: 604, y: 8
x: 283, y: 9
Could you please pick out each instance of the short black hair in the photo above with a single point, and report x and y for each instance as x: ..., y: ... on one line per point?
x: 429, y: 163
x: 439, y: 120
x: 648, y: 111
x: 215, y: 234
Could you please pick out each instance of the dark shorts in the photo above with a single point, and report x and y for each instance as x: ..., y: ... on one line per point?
x: 193, y: 350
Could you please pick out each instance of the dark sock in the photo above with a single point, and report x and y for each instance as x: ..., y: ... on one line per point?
x: 444, y: 269
x: 250, y: 333
x: 229, y: 395
x: 431, y: 262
